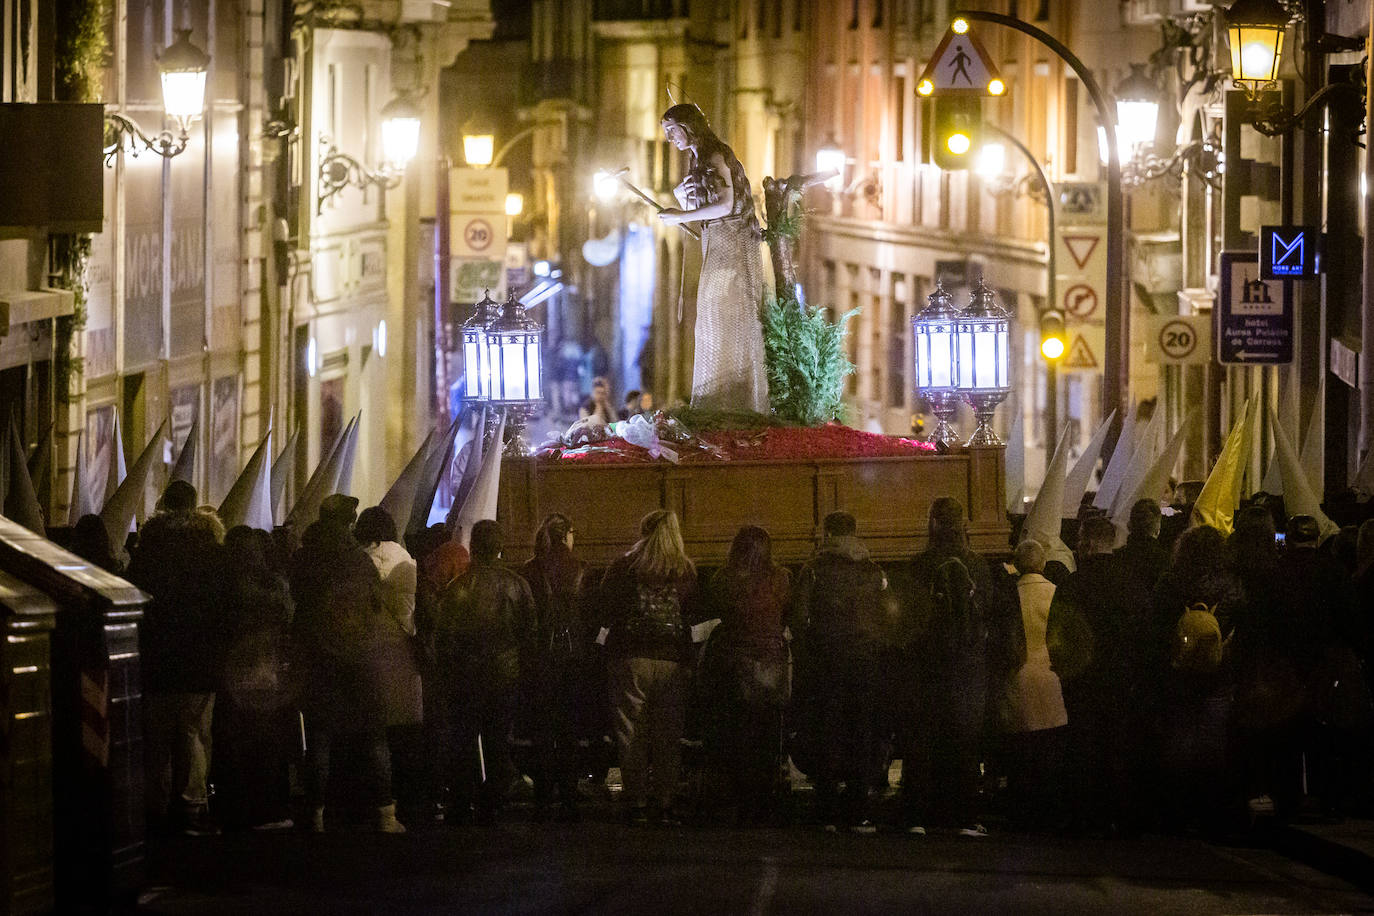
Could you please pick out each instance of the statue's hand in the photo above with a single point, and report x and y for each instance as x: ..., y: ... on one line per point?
x: 672, y: 216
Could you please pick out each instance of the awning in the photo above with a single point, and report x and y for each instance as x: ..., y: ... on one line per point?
x: 25, y: 305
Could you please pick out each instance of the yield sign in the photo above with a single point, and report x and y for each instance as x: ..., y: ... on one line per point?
x: 1081, y: 248
x: 960, y: 65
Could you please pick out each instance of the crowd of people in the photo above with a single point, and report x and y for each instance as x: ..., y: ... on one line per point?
x: 1203, y: 680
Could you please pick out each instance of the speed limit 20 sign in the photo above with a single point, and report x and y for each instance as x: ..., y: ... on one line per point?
x: 1181, y: 339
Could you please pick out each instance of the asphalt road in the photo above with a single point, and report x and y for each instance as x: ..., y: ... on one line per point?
x: 521, y: 867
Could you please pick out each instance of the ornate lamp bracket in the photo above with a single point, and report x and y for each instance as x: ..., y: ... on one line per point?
x: 339, y: 170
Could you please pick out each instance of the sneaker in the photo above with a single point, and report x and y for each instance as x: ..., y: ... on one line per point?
x: 1262, y: 805
x: 916, y: 830
x: 831, y: 828
x: 974, y: 830
x: 199, y: 824
x: 864, y: 828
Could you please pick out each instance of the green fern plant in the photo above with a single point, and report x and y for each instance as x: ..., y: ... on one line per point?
x: 807, y: 364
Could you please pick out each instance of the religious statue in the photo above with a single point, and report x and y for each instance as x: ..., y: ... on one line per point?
x: 729, y: 371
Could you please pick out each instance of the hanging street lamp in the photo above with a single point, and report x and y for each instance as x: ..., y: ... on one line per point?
x: 182, y: 66
x: 936, y: 356
x: 1255, y: 30
x: 983, y: 332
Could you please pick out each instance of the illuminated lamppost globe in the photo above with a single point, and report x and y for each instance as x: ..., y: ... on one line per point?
x: 936, y: 356
x: 476, y: 384
x: 1254, y: 30
x: 983, y: 330
x: 515, y: 363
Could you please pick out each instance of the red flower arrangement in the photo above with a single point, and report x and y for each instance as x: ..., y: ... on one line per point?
x: 779, y: 443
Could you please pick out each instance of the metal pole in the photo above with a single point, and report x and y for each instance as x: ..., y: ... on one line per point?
x: 441, y: 290
x: 1367, y: 299
x: 1051, y: 366
x: 1116, y: 375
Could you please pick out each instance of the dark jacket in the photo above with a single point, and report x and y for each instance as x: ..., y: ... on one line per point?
x: 260, y: 613
x: 839, y: 601
x: 184, y: 630
x: 486, y: 624
x: 1090, y: 598
x: 561, y: 627
x: 752, y: 611
x: 648, y: 618
x: 950, y: 648
x: 339, y: 614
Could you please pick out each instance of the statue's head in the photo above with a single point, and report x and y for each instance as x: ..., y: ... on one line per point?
x: 690, y: 119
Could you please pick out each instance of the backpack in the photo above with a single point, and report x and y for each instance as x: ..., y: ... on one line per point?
x: 1198, y: 646
x: 658, y: 612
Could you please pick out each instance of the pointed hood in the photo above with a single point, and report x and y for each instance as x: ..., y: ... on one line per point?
x: 21, y: 502
x: 1116, y: 466
x: 1076, y: 483
x: 1216, y: 505
x: 249, y: 501
x: 80, y: 503
x: 1312, y: 454
x: 468, y: 452
x: 1043, y: 520
x: 1155, y: 478
x: 115, y: 471
x: 400, y: 497
x: 1141, y: 459
x: 1016, y: 458
x: 481, y: 502
x: 1298, y: 496
x: 307, y: 507
x: 436, y: 464
x: 343, y: 477
x: 1364, y: 477
x: 119, y: 510
x: 185, y: 467
x: 281, y: 470
x: 40, y: 468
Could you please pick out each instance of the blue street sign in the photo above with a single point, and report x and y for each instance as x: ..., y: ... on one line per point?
x: 1289, y: 251
x: 1254, y: 316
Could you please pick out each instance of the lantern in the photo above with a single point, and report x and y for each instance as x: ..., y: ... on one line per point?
x: 831, y: 158
x: 1255, y: 29
x: 183, y: 67
x: 400, y: 133
x: 982, y: 367
x: 475, y: 372
x: 515, y: 353
x: 1137, y: 112
x: 936, y: 355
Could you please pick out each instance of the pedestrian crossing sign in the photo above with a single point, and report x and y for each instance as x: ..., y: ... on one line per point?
x: 960, y: 66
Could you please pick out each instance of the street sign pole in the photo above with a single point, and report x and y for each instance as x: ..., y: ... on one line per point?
x: 1116, y: 377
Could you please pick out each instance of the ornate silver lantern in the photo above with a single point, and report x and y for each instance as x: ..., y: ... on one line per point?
x: 984, y: 339
x: 476, y: 382
x: 515, y: 361
x: 937, y: 356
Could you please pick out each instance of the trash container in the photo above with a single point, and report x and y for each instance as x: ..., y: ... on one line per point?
x: 26, y: 799
x: 97, y: 721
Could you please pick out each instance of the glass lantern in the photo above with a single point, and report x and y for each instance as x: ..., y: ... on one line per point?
x: 515, y: 354
x: 983, y: 330
x: 476, y: 383
x: 1254, y: 29
x: 182, y: 67
x: 936, y: 354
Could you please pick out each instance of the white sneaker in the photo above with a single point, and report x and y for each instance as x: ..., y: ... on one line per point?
x: 283, y: 824
x: 831, y: 828
x: 864, y: 828
x: 1262, y: 805
x: 916, y: 830
x: 974, y: 830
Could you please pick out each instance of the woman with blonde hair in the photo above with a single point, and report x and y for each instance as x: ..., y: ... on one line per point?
x: 649, y: 596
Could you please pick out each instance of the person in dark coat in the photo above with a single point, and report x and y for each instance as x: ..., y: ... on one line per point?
x: 339, y: 613
x: 179, y: 563
x: 750, y: 596
x: 952, y: 599
x: 1089, y: 640
x: 556, y: 680
x: 841, y: 611
x: 253, y: 723
x: 91, y: 541
x: 649, y: 599
x: 486, y: 625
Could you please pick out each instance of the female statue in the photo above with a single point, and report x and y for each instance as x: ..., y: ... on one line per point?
x: 728, y: 372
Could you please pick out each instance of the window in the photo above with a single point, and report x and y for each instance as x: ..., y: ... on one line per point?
x: 897, y: 332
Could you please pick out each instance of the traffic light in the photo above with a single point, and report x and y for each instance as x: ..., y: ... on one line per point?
x: 957, y: 122
x: 1052, y: 339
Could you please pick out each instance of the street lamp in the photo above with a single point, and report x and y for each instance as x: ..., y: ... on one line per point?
x: 476, y: 373
x: 183, y: 67
x: 831, y: 158
x: 935, y: 346
x: 515, y: 348
x: 983, y: 337
x: 400, y: 141
x: 1137, y: 111
x: 1255, y: 30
